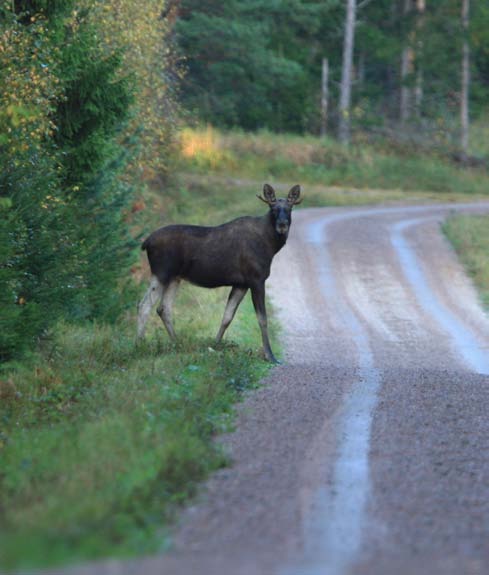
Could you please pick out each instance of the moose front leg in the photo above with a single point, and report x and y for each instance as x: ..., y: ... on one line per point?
x: 258, y: 297
x: 235, y: 297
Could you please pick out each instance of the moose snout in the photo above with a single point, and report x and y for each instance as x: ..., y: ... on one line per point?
x: 282, y: 226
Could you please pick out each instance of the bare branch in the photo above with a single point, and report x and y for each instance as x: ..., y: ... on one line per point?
x: 363, y: 4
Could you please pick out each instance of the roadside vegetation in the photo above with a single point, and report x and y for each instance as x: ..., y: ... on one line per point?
x: 365, y: 172
x: 102, y: 439
x: 469, y: 236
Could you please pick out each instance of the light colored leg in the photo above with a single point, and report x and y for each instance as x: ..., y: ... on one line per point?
x: 166, y: 306
x: 235, y: 297
x: 154, y: 294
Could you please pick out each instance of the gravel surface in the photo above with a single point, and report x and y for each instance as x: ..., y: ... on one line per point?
x: 367, y: 452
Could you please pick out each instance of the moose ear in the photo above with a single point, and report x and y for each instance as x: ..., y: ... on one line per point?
x: 293, y: 197
x: 269, y: 195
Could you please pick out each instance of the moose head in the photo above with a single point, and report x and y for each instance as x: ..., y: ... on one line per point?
x: 281, y: 208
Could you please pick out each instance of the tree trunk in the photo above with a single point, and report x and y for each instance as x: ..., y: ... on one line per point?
x: 418, y: 89
x: 324, y: 97
x: 407, y: 59
x: 464, y: 99
x: 361, y: 70
x: 346, y: 73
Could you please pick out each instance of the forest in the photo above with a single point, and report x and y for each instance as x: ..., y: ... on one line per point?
x: 118, y: 116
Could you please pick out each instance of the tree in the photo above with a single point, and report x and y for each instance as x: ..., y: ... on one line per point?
x: 465, y: 84
x: 407, y: 60
x: 142, y: 33
x: 346, y: 73
x: 418, y: 90
x: 411, y: 68
x: 324, y: 97
x: 252, y: 72
x: 267, y: 73
x: 63, y: 103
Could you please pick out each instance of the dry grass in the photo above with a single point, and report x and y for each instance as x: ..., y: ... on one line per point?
x: 323, y: 162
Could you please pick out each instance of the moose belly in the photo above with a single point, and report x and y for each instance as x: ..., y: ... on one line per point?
x: 212, y: 275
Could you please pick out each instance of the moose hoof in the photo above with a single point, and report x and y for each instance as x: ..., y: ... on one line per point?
x: 272, y: 359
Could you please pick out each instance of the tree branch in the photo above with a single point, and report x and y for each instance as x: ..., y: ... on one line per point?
x: 363, y: 4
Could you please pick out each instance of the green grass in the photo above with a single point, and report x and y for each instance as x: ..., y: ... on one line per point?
x: 101, y: 439
x: 469, y: 235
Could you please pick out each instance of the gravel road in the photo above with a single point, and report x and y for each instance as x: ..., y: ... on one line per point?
x: 367, y: 451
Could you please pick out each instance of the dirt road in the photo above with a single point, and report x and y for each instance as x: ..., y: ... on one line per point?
x: 367, y: 452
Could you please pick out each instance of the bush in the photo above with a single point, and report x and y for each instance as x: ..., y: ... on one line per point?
x: 65, y: 244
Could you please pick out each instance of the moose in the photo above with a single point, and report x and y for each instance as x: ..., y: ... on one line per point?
x: 238, y: 253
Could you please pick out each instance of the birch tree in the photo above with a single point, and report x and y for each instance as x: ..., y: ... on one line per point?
x: 418, y: 89
x: 407, y: 58
x: 464, y: 99
x: 324, y: 97
x: 346, y: 73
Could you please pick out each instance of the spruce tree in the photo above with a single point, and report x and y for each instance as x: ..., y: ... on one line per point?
x: 64, y: 242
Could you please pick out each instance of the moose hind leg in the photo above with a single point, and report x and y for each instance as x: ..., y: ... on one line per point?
x: 152, y: 295
x: 235, y: 297
x: 166, y: 306
x: 258, y: 297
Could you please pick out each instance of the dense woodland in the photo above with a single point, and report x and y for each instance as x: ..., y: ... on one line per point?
x: 93, y: 92
x: 258, y: 64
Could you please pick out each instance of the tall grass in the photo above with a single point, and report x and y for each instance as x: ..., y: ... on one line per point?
x: 315, y: 161
x: 469, y: 235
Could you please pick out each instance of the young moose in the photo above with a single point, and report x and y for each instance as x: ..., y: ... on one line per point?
x: 238, y: 254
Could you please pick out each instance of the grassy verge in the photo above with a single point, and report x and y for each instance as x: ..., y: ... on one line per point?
x: 469, y: 235
x: 101, y: 439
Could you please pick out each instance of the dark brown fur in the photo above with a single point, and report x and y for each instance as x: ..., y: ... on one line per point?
x: 238, y: 253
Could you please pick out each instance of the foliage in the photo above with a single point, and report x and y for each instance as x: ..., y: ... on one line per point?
x: 141, y: 32
x: 62, y: 105
x: 249, y: 72
x: 89, y: 118
x: 33, y: 278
